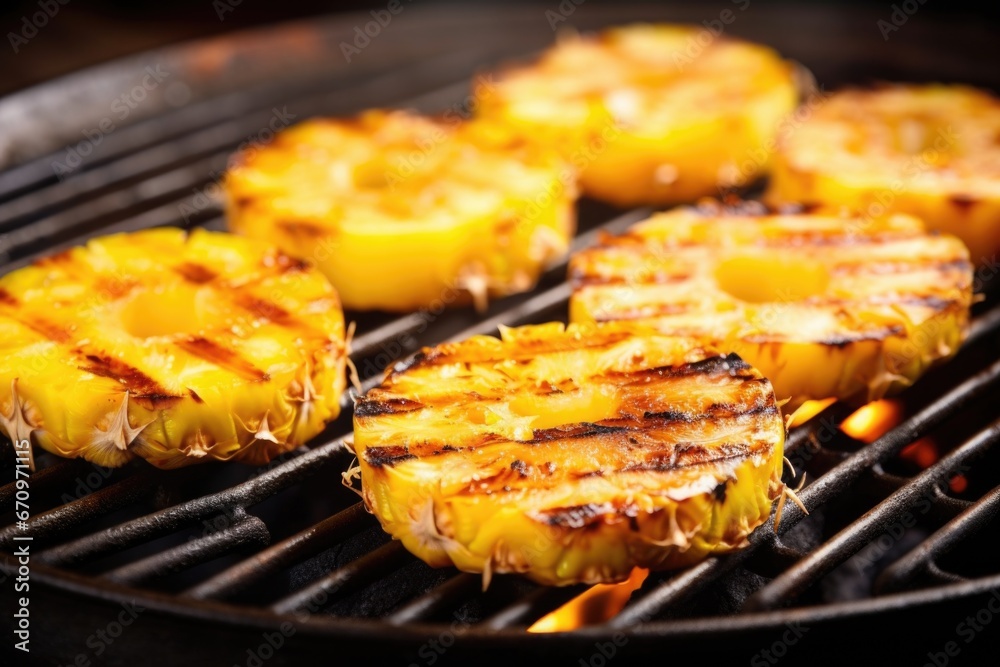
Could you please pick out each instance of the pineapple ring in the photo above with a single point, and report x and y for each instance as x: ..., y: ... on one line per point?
x: 930, y: 151
x: 170, y: 347
x: 570, y: 455
x: 824, y: 306
x: 403, y: 212
x: 651, y: 113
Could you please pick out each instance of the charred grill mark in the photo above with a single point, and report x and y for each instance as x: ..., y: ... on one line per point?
x: 573, y: 431
x: 194, y: 396
x: 7, y: 299
x: 50, y: 330
x: 195, y: 273
x: 903, y: 266
x: 265, y: 309
x: 376, y: 407
x: 142, y: 389
x: 222, y: 357
x: 522, y: 351
x: 689, y: 455
x: 303, y: 228
x: 730, y: 364
x: 583, y: 279
x: 648, y: 310
x: 587, y: 515
x: 963, y: 203
x: 387, y: 456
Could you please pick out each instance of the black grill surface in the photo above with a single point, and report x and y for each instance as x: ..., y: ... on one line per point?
x: 280, y: 565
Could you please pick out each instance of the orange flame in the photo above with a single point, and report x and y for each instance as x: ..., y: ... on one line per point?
x: 807, y: 411
x: 871, y: 422
x: 595, y: 605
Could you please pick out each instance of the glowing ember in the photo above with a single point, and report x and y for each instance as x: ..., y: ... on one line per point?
x: 924, y: 453
x: 595, y: 605
x: 959, y: 484
x: 807, y: 411
x: 871, y: 422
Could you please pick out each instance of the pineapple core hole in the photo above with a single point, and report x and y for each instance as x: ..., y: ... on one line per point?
x: 168, y: 312
x: 772, y: 278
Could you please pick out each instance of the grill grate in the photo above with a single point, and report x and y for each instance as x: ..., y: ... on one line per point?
x: 227, y: 546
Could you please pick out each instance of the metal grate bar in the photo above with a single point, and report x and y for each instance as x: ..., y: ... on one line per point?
x: 214, y: 132
x: 696, y: 578
x: 791, y: 583
x: 246, y: 530
x: 354, y: 575
x: 532, y: 607
x: 446, y: 596
x: 47, y: 524
x: 279, y: 556
x: 173, y: 518
x: 903, y: 572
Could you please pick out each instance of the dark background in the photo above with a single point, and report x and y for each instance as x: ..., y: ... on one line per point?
x: 88, y: 32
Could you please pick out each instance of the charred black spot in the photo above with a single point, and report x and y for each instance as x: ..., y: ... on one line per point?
x: 720, y: 491
x: 388, y: 455
x: 963, y: 202
x: 375, y: 407
x: 667, y: 415
x: 577, y: 516
x: 520, y: 467
x: 194, y: 395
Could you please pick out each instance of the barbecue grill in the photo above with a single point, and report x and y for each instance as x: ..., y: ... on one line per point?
x: 233, y: 565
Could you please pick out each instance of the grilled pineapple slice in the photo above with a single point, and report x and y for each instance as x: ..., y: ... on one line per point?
x: 930, y: 151
x: 170, y: 347
x: 651, y: 113
x: 569, y: 454
x: 403, y: 212
x: 823, y: 305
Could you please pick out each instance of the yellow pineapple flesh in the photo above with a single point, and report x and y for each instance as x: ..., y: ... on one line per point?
x: 402, y: 211
x: 170, y: 347
x: 930, y: 151
x: 825, y: 306
x: 570, y: 454
x: 651, y: 113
